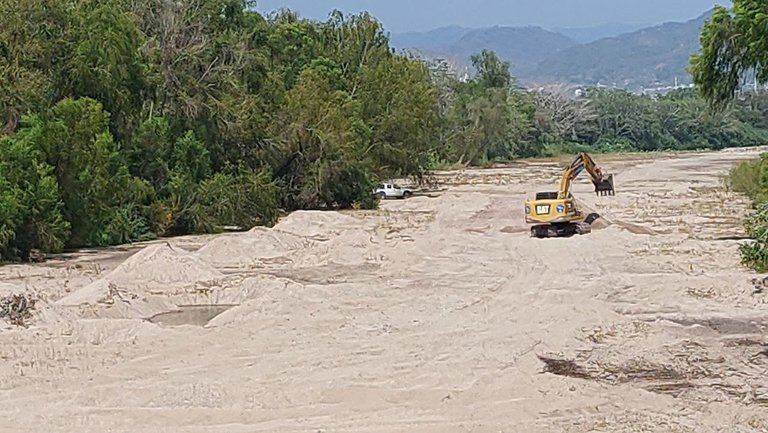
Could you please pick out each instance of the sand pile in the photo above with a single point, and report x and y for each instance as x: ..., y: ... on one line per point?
x: 253, y: 297
x: 249, y: 249
x: 104, y: 299
x: 162, y: 264
x: 317, y: 223
x: 350, y: 248
x: 155, y: 270
x: 254, y: 288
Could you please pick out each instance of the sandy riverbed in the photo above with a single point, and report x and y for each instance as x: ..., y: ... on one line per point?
x: 434, y: 314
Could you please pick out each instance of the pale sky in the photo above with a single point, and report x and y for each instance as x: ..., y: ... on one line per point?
x: 418, y: 15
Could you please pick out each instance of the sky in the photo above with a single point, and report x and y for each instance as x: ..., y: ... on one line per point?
x: 400, y: 16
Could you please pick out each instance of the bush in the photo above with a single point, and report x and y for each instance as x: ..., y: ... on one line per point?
x: 755, y: 253
x: 126, y: 224
x: 744, y: 178
x: 241, y: 197
x: 751, y: 179
x: 31, y: 208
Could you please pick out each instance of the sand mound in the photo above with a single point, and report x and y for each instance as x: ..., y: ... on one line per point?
x: 265, y: 301
x: 131, y: 288
x: 103, y: 299
x: 253, y: 297
x: 254, y: 288
x: 350, y: 248
x: 317, y: 223
x: 600, y: 224
x: 162, y: 265
x: 249, y: 248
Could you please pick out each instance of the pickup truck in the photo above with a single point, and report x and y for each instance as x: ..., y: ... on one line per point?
x: 392, y: 190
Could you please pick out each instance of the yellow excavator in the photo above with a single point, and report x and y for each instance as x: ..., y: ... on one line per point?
x: 555, y: 214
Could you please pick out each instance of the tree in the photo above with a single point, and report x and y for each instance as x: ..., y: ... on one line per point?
x: 322, y: 140
x: 560, y: 112
x: 31, y: 208
x: 93, y: 180
x: 732, y: 43
x: 105, y: 63
x: 492, y: 73
x: 34, y: 39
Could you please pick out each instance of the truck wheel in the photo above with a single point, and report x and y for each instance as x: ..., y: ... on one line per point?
x: 407, y: 194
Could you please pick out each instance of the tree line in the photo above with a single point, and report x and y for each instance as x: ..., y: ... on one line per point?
x: 125, y: 120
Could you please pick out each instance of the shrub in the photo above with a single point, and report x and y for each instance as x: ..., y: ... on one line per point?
x: 744, y: 178
x: 754, y: 254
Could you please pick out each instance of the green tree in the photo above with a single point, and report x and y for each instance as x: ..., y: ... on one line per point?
x: 105, y: 62
x: 31, y: 209
x: 92, y: 177
x: 733, y: 42
x: 34, y: 39
x: 322, y: 135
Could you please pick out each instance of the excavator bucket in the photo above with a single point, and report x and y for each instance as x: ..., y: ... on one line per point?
x: 605, y: 186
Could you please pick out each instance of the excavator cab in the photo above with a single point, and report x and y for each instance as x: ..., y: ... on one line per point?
x: 604, y: 186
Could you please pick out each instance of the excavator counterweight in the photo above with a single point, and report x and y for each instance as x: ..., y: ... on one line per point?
x: 555, y: 214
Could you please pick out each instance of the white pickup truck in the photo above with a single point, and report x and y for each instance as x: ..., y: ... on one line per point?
x: 392, y: 190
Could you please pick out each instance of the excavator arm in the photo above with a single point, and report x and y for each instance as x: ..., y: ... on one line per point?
x: 603, y: 183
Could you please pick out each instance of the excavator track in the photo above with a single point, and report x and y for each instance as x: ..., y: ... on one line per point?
x: 564, y: 230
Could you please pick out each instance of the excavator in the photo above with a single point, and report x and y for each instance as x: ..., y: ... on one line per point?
x: 555, y: 214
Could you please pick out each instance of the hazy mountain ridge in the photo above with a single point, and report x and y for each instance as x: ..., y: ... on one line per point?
x: 531, y: 45
x: 585, y: 35
x: 650, y: 56
x: 439, y: 39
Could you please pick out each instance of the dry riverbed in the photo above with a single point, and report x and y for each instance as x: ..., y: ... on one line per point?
x: 433, y: 314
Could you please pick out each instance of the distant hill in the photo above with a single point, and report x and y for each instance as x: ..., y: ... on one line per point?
x: 585, y: 35
x: 647, y: 57
x: 523, y: 47
x: 437, y: 40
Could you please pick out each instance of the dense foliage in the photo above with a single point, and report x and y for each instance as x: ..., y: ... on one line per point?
x: 129, y: 119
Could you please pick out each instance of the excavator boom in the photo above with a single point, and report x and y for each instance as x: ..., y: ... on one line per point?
x: 583, y: 162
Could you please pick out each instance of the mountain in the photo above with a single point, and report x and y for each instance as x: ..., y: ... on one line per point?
x: 585, y: 35
x: 436, y: 40
x: 648, y: 57
x: 652, y: 56
x: 523, y: 47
